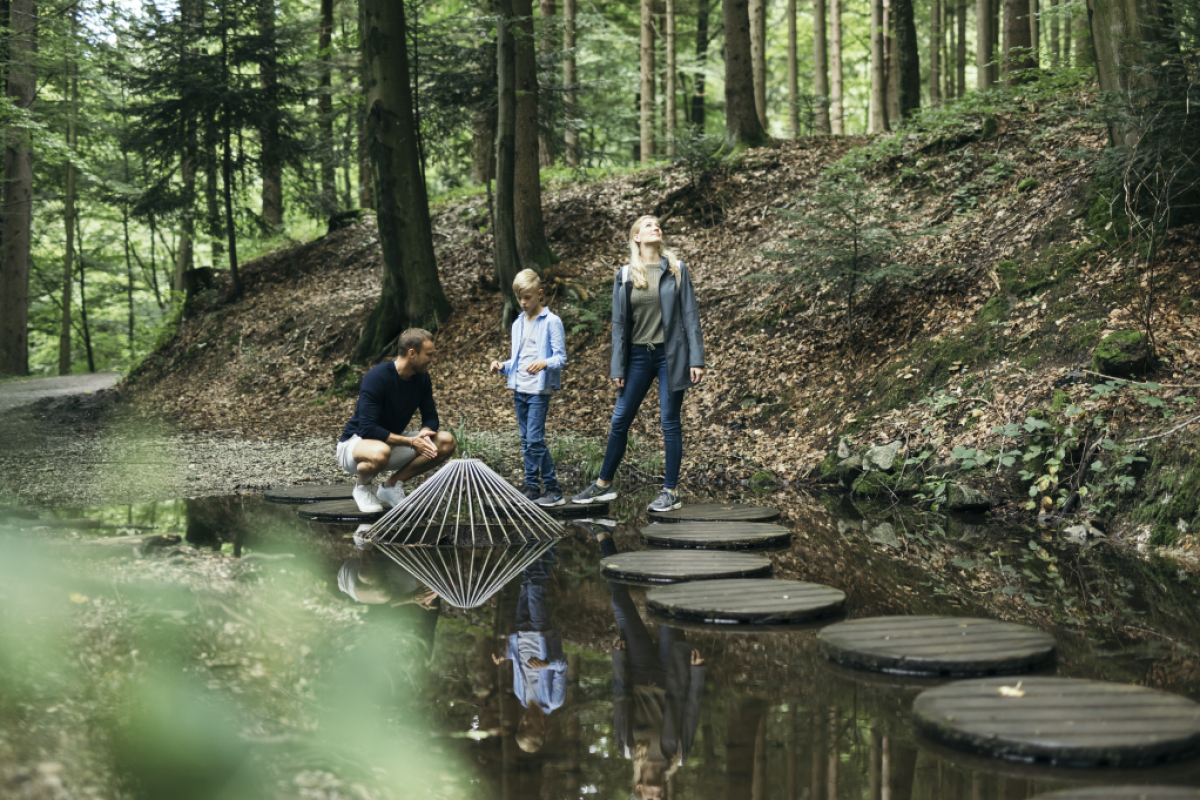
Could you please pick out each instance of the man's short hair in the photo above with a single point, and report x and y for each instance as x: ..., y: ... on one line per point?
x: 413, y: 339
x: 526, y: 281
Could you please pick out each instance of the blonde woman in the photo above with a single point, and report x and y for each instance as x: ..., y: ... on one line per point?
x: 655, y: 334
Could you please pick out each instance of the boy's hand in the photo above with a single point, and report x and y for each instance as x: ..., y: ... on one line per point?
x: 497, y: 366
x: 536, y: 367
x: 499, y: 658
x: 538, y: 663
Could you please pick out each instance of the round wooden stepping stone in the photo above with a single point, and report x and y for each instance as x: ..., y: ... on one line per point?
x: 937, y: 646
x: 571, y: 510
x: 337, y: 511
x: 1123, y: 793
x: 1061, y: 721
x: 719, y: 512
x: 309, y: 493
x: 746, y: 600
x: 716, y: 535
x: 658, y: 566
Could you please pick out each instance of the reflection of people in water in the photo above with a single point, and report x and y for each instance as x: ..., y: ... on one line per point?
x: 380, y: 582
x: 657, y: 688
x: 539, y: 666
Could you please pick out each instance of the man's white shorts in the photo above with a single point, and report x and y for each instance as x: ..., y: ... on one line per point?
x: 401, y: 454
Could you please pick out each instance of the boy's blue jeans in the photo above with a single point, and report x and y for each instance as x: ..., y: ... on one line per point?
x: 644, y: 366
x: 531, y: 422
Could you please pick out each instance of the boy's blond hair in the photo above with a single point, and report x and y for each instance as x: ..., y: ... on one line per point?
x: 526, y: 281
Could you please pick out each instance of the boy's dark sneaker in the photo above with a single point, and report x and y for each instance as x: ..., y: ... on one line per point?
x: 595, y: 494
x: 552, y: 498
x: 530, y: 493
x: 667, y: 500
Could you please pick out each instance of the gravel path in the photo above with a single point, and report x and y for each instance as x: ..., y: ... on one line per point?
x: 87, y: 449
x: 14, y: 394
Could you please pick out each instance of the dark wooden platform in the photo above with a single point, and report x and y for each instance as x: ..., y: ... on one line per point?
x: 308, y: 493
x: 1123, y: 793
x: 659, y: 566
x: 337, y: 511
x: 716, y: 535
x: 937, y: 646
x: 719, y: 512
x: 1063, y: 722
x: 746, y: 601
x: 571, y: 510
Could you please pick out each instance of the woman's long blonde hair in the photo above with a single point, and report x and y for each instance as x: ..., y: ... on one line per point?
x: 636, y: 269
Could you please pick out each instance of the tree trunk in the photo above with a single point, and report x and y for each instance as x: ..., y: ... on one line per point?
x: 570, y: 78
x: 366, y: 198
x: 18, y: 195
x: 995, y: 27
x: 272, y: 169
x: 64, y: 335
x: 1055, y: 49
x: 547, y: 141
x: 1016, y: 43
x: 527, y: 186
x: 670, y: 89
x: 646, y: 102
x: 758, y: 57
x: 960, y: 83
x: 893, y: 64
x: 837, y: 122
x: 227, y: 169
x: 128, y: 266
x: 1085, y: 49
x: 1066, y: 33
x: 83, y: 315
x: 698, y: 109
x: 908, y: 60
x: 984, y: 70
x: 793, y: 72
x: 935, y: 51
x: 820, y: 68
x: 1035, y: 40
x: 187, y: 173
x: 742, y: 128
x: 411, y: 294
x: 951, y: 48
x: 504, y: 235
x: 328, y: 202
x: 1119, y: 27
x: 211, y: 202
x: 877, y: 110
x: 483, y: 121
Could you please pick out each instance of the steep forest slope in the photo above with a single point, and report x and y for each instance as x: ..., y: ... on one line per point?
x: 1028, y: 282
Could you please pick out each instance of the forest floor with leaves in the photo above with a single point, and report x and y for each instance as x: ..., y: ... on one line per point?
x: 1027, y: 283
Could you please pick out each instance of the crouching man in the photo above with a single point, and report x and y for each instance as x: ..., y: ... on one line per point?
x: 375, y: 440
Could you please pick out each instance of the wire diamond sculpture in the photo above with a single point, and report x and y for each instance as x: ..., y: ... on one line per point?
x: 465, y: 503
x: 466, y: 577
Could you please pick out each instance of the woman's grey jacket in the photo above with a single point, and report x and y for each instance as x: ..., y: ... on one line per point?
x: 681, y: 324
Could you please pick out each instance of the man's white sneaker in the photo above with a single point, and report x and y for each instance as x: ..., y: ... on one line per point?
x: 391, y: 495
x: 365, y: 500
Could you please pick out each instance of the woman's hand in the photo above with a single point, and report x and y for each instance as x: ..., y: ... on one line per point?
x: 620, y: 382
x: 697, y: 375
x: 697, y: 659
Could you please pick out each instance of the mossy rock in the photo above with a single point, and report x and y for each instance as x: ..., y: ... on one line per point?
x: 346, y: 381
x: 344, y: 219
x: 1123, y: 354
x: 1170, y: 491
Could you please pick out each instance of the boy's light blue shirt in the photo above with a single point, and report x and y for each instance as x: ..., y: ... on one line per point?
x: 551, y: 347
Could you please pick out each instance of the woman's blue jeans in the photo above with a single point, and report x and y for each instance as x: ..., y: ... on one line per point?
x: 645, y: 365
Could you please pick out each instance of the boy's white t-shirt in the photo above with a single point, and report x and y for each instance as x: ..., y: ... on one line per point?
x: 526, y: 383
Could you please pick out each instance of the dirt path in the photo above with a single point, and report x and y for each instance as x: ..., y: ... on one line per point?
x: 14, y: 394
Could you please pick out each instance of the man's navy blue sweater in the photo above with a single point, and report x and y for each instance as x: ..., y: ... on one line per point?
x: 386, y: 403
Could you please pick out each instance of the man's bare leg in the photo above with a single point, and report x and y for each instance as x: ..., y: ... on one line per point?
x: 371, y: 458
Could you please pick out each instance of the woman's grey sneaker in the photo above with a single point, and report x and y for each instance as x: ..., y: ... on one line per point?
x: 595, y: 494
x: 365, y: 500
x: 552, y: 498
x: 667, y: 500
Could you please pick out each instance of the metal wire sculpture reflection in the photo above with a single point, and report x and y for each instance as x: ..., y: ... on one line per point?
x: 465, y: 503
x: 466, y: 577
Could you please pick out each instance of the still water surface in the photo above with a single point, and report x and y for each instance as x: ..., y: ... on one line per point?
x: 607, y: 701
